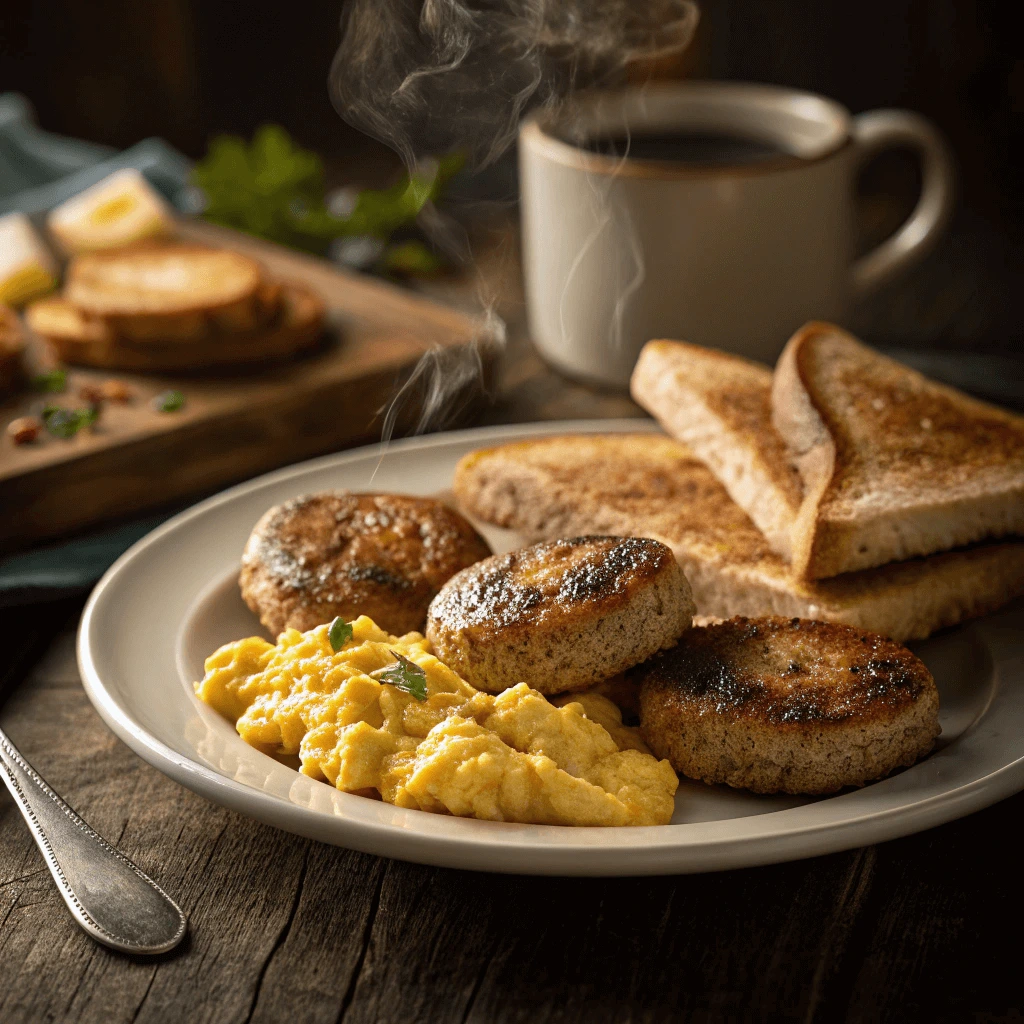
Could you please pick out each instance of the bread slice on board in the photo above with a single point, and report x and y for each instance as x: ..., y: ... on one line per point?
x: 720, y: 406
x: 894, y: 465
x: 653, y: 486
x: 164, y: 291
x: 82, y: 341
x: 55, y: 319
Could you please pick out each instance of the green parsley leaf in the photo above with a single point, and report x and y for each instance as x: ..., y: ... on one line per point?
x: 169, y: 401
x: 339, y: 633
x: 273, y: 188
x: 52, y: 382
x: 406, y: 675
x: 60, y: 422
x: 65, y: 423
x: 266, y: 187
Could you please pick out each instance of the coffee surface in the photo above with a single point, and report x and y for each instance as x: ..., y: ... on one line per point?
x: 698, y: 148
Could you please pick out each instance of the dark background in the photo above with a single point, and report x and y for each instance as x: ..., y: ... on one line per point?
x: 117, y: 71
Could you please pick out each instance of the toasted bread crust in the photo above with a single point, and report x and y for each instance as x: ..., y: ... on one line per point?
x: 250, y: 313
x: 296, y: 326
x: 720, y: 406
x: 894, y: 465
x: 650, y: 485
x: 169, y: 280
x: 337, y: 553
x: 58, y: 321
x: 787, y: 705
x: 561, y: 616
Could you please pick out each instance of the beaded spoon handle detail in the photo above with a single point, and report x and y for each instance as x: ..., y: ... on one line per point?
x: 107, y: 894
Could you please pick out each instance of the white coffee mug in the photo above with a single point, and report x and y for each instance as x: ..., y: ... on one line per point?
x: 617, y: 251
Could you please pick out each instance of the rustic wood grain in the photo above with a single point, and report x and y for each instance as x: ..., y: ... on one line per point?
x: 232, y: 426
x: 283, y: 928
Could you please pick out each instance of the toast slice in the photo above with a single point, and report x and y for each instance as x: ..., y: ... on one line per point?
x: 162, y: 291
x: 719, y: 405
x: 55, y: 319
x: 894, y: 465
x: 653, y: 486
x: 87, y: 341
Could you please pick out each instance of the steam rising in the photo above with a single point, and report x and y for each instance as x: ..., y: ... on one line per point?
x: 427, y: 77
x: 445, y: 381
x: 430, y: 76
x: 443, y: 384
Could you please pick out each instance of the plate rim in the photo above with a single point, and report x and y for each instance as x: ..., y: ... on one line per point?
x: 487, y: 851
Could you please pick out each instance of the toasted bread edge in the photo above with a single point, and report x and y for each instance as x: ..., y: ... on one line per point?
x: 747, y: 480
x: 904, y: 601
x: 826, y: 546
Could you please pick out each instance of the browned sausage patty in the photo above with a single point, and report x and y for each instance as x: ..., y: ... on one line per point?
x: 787, y: 705
x: 562, y: 615
x: 338, y: 553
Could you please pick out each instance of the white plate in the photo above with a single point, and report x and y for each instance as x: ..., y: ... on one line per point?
x: 172, y: 599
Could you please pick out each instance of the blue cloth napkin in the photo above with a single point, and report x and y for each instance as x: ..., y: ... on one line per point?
x: 39, y: 170
x: 71, y: 567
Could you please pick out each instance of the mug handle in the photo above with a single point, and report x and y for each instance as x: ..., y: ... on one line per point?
x: 878, y: 130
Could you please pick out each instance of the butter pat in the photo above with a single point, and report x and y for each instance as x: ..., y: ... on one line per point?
x: 27, y: 267
x: 121, y: 209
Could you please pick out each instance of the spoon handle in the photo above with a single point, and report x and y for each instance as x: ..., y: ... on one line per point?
x: 106, y: 893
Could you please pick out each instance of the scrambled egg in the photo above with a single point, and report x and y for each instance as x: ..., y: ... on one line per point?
x: 510, y: 757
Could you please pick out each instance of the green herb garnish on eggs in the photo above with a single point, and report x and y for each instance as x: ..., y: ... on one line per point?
x: 339, y: 633
x: 406, y: 675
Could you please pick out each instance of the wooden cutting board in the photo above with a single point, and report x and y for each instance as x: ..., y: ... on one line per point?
x: 232, y: 426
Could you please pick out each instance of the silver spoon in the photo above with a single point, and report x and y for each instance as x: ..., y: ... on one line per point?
x: 107, y: 894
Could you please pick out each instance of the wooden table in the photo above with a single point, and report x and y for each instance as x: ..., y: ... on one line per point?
x: 286, y: 929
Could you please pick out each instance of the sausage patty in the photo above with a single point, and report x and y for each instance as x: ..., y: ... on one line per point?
x: 337, y: 553
x: 780, y: 705
x: 561, y: 615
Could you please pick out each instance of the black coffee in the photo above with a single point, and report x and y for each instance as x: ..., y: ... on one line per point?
x: 700, y: 148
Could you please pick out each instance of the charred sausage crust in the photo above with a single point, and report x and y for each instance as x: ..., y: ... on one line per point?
x: 787, y: 705
x: 561, y: 615
x: 337, y: 553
